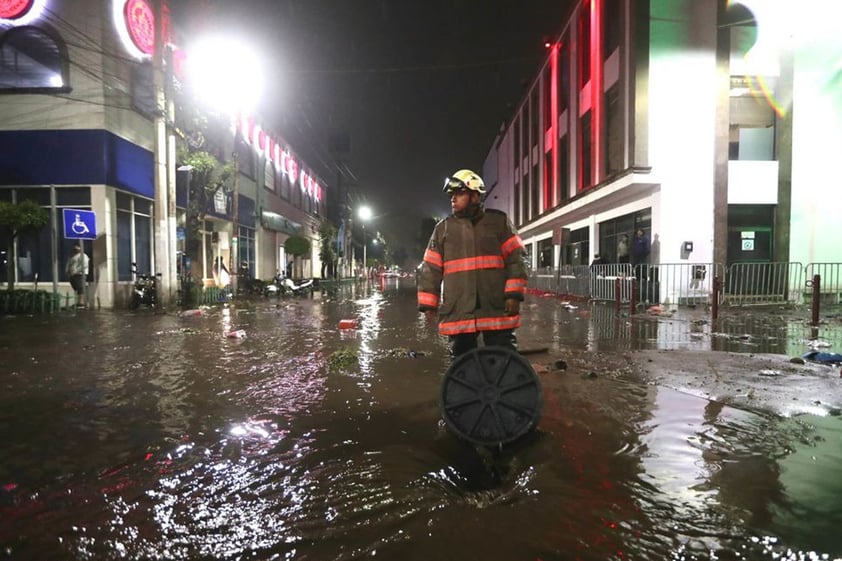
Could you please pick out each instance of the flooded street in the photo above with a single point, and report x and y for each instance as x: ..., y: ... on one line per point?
x: 152, y: 436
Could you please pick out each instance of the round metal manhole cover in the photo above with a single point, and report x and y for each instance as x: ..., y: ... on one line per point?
x: 491, y: 396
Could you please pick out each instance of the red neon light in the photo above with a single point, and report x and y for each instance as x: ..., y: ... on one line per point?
x: 14, y: 9
x: 597, y: 104
x: 140, y: 21
x: 552, y: 189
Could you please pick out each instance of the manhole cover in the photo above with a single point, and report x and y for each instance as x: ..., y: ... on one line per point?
x: 490, y: 396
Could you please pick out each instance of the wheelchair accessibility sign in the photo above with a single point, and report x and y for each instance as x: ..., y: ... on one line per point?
x: 79, y: 224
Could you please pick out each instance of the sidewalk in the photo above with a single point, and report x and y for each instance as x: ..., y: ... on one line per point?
x: 750, y: 358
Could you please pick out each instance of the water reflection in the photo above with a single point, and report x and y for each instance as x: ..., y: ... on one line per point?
x: 599, y: 327
x: 148, y: 436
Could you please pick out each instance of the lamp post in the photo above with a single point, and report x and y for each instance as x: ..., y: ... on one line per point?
x: 364, y: 214
x: 185, y: 261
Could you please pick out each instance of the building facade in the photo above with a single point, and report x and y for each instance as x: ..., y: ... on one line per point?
x: 708, y: 124
x: 81, y: 127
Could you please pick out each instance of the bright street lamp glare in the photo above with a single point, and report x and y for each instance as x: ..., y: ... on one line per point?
x: 364, y: 213
x: 225, y: 73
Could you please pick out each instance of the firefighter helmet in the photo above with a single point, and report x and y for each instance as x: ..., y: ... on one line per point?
x: 464, y: 179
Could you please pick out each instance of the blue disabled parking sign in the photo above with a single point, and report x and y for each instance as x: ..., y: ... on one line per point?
x: 79, y: 224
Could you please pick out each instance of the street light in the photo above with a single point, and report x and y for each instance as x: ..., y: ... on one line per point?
x: 364, y: 214
x: 226, y: 75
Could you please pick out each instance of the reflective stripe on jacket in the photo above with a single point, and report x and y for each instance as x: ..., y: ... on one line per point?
x: 479, y: 261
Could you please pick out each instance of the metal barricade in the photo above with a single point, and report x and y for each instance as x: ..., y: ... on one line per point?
x: 574, y: 281
x: 679, y: 284
x: 830, y: 292
x: 763, y: 284
x: 604, y: 281
x: 543, y: 279
x: 692, y: 284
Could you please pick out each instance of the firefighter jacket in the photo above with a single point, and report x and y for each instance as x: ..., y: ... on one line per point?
x: 479, y: 261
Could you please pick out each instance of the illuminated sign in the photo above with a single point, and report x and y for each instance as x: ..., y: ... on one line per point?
x: 134, y: 21
x: 140, y: 21
x: 280, y: 156
x: 20, y: 12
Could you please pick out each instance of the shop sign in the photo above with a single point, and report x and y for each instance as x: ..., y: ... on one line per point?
x: 135, y: 23
x: 220, y: 202
x: 20, y: 12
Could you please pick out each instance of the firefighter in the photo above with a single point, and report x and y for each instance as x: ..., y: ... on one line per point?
x: 477, y: 255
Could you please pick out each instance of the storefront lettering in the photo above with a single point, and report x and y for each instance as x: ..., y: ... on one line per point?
x: 279, y: 155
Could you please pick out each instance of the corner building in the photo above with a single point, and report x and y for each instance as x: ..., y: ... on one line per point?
x: 77, y: 130
x: 710, y: 124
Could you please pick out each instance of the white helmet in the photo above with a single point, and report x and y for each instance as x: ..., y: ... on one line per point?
x: 464, y: 179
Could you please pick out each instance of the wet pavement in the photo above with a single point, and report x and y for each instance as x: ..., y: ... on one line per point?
x: 153, y: 436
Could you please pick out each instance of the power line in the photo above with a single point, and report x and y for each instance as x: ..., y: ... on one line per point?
x: 432, y: 67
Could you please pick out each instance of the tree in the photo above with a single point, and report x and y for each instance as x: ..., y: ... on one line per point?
x: 206, y: 178
x: 16, y: 218
x: 297, y: 246
x: 327, y: 249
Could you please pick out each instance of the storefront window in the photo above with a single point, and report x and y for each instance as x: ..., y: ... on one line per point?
x: 32, y: 60
x: 34, y: 248
x: 245, y: 238
x: 134, y: 236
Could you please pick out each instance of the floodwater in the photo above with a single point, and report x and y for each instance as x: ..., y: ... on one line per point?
x: 152, y: 436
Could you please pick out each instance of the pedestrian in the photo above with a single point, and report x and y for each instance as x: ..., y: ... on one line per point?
x: 77, y: 271
x: 479, y: 258
x: 220, y: 272
x: 623, y: 249
x: 640, y: 248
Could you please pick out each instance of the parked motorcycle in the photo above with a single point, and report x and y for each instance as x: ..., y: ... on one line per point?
x: 145, y: 290
x: 285, y: 286
x: 248, y: 285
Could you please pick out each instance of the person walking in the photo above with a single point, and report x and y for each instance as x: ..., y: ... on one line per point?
x: 479, y: 258
x: 640, y: 248
x: 77, y: 271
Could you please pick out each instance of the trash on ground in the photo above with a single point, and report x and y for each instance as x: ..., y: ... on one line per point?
x: 347, y: 324
x: 191, y: 313
x: 237, y: 334
x: 403, y: 352
x: 560, y: 365
x: 659, y: 311
x: 823, y: 358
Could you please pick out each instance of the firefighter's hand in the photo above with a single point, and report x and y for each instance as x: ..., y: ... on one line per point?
x: 431, y: 315
x: 512, y: 306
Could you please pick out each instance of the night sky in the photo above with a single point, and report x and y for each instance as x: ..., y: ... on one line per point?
x: 420, y: 86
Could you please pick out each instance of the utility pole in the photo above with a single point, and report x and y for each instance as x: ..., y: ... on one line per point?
x: 161, y: 261
x: 172, y: 219
x: 235, y: 242
x: 365, y: 252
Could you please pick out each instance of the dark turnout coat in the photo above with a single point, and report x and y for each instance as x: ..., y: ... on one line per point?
x: 479, y: 261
